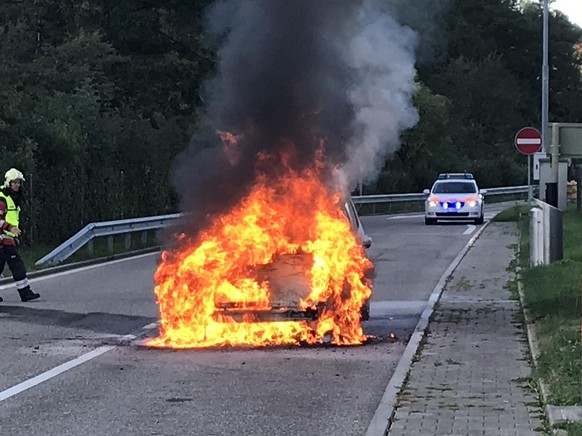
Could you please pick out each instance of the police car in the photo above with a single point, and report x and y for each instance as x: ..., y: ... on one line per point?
x: 454, y: 196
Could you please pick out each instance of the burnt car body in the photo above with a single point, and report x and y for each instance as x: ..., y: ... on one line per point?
x: 289, y: 285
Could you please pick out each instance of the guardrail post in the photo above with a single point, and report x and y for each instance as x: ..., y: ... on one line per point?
x: 546, y: 234
x: 144, y: 238
x: 110, y: 244
x: 536, y: 248
x: 541, y: 239
x: 556, y: 235
x: 128, y: 241
x: 91, y: 247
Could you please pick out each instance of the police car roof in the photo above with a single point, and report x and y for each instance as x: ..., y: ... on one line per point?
x: 443, y: 176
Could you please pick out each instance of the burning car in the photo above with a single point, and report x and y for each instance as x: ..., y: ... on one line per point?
x: 289, y: 285
x: 287, y: 265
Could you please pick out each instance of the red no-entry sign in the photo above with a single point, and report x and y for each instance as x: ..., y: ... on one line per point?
x: 528, y: 140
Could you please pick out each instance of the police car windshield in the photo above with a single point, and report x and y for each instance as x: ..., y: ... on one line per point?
x: 454, y: 188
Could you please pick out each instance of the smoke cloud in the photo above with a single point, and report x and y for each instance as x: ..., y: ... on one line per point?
x: 292, y: 76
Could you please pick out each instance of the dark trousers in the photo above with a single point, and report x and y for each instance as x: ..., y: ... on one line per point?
x: 9, y: 255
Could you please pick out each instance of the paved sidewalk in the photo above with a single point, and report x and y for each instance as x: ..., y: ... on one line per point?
x: 467, y: 377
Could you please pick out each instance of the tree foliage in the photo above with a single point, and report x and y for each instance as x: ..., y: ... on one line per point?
x: 96, y: 99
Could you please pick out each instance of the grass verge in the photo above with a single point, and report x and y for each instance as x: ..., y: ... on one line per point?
x: 552, y: 296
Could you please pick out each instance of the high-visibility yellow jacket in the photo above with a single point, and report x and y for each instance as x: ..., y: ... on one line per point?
x: 9, y: 216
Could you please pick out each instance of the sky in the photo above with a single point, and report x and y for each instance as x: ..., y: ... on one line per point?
x: 572, y: 8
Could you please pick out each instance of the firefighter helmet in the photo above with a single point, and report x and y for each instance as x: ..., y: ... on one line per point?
x: 13, y: 174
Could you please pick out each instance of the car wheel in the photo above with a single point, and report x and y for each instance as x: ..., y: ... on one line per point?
x: 479, y: 220
x: 429, y: 221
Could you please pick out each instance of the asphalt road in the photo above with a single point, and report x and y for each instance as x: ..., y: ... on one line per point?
x: 67, y: 366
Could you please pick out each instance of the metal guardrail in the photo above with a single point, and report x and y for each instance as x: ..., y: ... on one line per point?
x: 396, y: 198
x: 105, y: 228
x: 111, y: 228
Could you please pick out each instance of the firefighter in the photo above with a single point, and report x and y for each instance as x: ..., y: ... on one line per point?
x: 10, y: 198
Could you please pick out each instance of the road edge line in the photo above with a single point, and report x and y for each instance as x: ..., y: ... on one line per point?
x: 382, y: 419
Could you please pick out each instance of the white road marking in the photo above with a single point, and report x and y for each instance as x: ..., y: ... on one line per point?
x: 151, y: 326
x: 41, y: 378
x: 470, y: 229
x: 401, y: 217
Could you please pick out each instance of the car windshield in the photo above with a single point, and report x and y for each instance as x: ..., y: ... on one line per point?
x: 454, y: 188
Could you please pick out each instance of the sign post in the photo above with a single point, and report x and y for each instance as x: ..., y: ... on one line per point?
x: 528, y: 141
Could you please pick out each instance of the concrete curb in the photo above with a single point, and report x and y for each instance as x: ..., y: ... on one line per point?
x: 382, y: 419
x: 531, y: 337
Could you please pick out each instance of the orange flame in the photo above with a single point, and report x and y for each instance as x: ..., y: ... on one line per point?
x: 292, y: 216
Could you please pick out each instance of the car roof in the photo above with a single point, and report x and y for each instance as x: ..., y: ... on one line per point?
x: 456, y: 181
x: 444, y: 176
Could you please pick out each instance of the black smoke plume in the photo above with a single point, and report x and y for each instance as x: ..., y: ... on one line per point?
x: 291, y: 76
